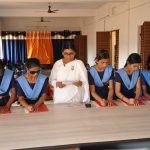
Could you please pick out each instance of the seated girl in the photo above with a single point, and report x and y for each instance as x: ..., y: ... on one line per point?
x: 145, y: 78
x: 127, y: 80
x: 7, y: 87
x: 32, y: 86
x: 101, y: 79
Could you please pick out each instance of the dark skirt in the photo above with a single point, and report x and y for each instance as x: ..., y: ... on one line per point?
x: 4, y: 101
x: 29, y: 101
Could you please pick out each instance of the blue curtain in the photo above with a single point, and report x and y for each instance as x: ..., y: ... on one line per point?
x: 14, y: 47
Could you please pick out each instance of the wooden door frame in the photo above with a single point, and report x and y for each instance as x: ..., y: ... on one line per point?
x: 110, y: 45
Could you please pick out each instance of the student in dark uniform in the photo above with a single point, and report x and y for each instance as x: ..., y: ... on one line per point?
x: 127, y: 80
x: 101, y: 79
x: 32, y: 86
x: 7, y: 86
x: 145, y: 78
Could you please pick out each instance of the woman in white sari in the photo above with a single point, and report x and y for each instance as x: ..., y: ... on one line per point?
x: 69, y: 78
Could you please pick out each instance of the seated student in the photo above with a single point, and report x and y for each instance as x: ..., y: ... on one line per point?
x: 145, y: 78
x: 32, y: 86
x: 127, y: 80
x: 69, y: 78
x: 7, y: 85
x: 101, y: 79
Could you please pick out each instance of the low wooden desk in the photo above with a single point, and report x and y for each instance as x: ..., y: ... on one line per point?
x: 73, y: 125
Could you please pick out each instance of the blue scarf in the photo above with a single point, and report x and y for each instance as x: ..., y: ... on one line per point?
x: 6, y: 81
x: 97, y: 80
x: 130, y: 84
x: 30, y: 93
x: 146, y: 75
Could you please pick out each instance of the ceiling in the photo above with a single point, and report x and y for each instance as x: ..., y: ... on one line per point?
x: 36, y: 8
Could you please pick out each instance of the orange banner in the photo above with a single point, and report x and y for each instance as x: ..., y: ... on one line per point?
x: 39, y: 45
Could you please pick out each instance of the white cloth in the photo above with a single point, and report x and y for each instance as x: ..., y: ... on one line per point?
x: 68, y: 73
x: 1, y: 52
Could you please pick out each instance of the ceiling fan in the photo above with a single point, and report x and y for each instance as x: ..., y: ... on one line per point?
x: 50, y: 10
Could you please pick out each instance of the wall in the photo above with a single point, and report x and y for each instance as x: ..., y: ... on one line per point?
x: 0, y: 23
x: 127, y: 17
x: 0, y: 43
x: 27, y: 24
x: 31, y: 24
x: 89, y: 29
x: 140, y: 10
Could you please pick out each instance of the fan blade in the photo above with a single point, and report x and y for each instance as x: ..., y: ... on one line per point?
x: 52, y: 12
x: 41, y: 11
x: 43, y: 21
x: 55, y: 10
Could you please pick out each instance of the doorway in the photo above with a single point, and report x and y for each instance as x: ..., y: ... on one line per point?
x: 109, y: 40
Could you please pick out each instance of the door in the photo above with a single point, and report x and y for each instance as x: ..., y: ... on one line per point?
x: 81, y: 47
x: 145, y: 43
x: 109, y: 40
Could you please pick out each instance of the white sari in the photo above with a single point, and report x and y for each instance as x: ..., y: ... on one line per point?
x: 68, y: 73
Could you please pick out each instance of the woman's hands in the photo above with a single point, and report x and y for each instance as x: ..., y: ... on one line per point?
x: 76, y: 83
x: 60, y: 84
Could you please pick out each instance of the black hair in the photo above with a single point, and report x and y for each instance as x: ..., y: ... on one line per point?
x: 102, y: 54
x: 148, y: 62
x: 133, y: 58
x: 32, y: 62
x: 69, y: 45
x: 1, y: 65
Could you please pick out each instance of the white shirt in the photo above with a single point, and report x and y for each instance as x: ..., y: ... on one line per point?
x: 68, y: 73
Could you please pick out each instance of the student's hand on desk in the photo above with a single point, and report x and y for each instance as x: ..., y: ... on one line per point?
x: 30, y: 108
x: 77, y: 83
x: 60, y: 84
x: 133, y: 101
x: 35, y: 107
x: 136, y: 102
x: 103, y: 102
x: 109, y: 103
